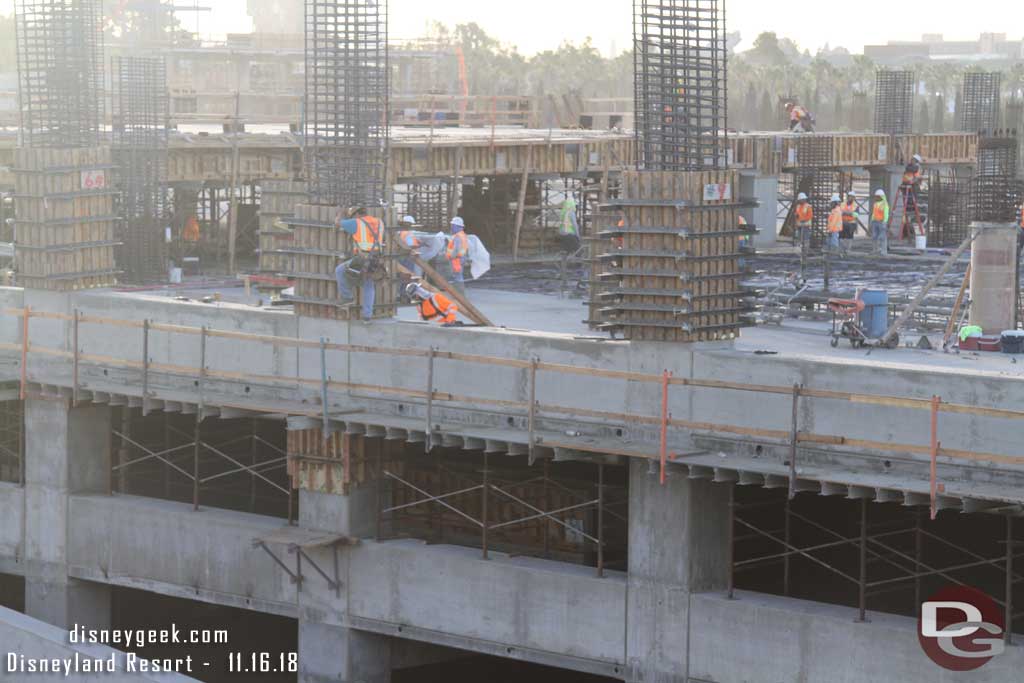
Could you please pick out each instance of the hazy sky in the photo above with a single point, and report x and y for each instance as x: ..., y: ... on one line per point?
x: 535, y: 25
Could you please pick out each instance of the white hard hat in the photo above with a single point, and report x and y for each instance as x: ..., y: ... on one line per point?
x: 801, y: 197
x: 879, y: 193
x: 458, y: 221
x: 851, y: 193
x: 835, y: 197
x: 917, y: 158
x: 408, y: 219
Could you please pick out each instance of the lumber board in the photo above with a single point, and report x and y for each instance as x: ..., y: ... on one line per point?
x: 439, y: 281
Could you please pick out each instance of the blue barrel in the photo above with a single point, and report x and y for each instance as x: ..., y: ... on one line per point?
x: 874, y: 319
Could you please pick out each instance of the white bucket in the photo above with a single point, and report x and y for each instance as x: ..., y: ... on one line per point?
x: 174, y: 276
x: 921, y: 242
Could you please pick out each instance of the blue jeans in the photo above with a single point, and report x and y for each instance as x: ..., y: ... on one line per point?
x: 880, y: 236
x: 833, y: 241
x: 348, y: 279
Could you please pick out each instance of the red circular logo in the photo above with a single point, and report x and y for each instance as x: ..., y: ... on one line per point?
x: 960, y: 628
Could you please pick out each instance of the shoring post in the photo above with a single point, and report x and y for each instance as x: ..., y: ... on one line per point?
x: 787, y: 529
x: 663, y: 449
x: 918, y: 548
x: 532, y: 415
x: 1008, y: 626
x: 427, y: 445
x: 794, y: 435
x: 145, y: 367
x: 199, y: 418
x: 600, y: 519
x: 323, y: 390
x: 862, y: 582
x: 934, y: 507
x: 547, y: 506
x: 483, y: 509
x: 26, y: 313
x: 731, y: 533
x: 74, y: 358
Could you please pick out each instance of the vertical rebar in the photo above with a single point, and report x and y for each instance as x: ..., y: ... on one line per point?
x: 894, y: 101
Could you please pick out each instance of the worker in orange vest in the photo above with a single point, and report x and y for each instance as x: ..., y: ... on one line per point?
x: 804, y: 220
x: 432, y: 305
x: 800, y: 119
x: 910, y: 183
x: 367, y: 260
x: 849, y: 221
x: 835, y: 223
x: 880, y: 223
x: 408, y: 240
x: 458, y: 247
x: 191, y: 231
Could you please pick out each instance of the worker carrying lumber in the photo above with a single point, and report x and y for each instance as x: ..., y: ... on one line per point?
x: 835, y: 223
x: 409, y: 241
x: 849, y: 221
x: 455, y: 252
x: 800, y: 119
x: 367, y: 262
x: 880, y: 223
x: 432, y: 305
x: 804, y: 213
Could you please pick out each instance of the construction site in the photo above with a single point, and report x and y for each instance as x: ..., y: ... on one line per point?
x: 698, y: 403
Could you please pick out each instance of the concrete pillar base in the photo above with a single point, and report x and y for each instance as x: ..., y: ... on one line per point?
x: 67, y: 603
x: 335, y: 654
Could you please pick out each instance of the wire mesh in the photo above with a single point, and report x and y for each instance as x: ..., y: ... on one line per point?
x: 140, y: 121
x: 997, y: 155
x: 995, y: 198
x: 347, y: 100
x: 894, y: 102
x: 60, y: 72
x: 680, y: 84
x: 979, y: 102
x: 426, y: 202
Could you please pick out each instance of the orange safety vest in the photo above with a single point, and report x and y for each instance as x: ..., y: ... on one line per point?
x: 458, y: 246
x: 1022, y: 216
x: 850, y: 211
x: 835, y: 219
x: 191, y: 231
x: 407, y: 239
x: 879, y: 211
x: 367, y: 235
x: 911, y: 174
x: 797, y: 113
x: 804, y: 215
x: 438, y: 306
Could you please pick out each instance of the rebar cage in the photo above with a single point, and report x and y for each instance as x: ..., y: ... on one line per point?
x: 680, y: 84
x: 140, y: 106
x: 894, y: 102
x: 979, y: 102
x: 60, y: 72
x: 347, y: 89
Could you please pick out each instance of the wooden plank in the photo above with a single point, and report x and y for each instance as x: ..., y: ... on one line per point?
x: 440, y: 282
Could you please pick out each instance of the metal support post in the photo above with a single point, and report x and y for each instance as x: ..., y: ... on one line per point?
x: 934, y: 504
x: 199, y: 418
x: 793, y: 438
x: 532, y: 415
x: 427, y: 441
x: 600, y: 519
x: 862, y: 584
x: 483, y: 509
x: 732, y: 541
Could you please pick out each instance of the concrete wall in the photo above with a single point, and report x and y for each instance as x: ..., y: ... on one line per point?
x: 12, y: 529
x: 34, y: 640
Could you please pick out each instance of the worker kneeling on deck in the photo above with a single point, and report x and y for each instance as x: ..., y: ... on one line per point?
x: 432, y: 305
x: 367, y: 261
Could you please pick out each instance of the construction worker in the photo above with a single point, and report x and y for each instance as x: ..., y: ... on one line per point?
x: 366, y: 262
x: 455, y: 252
x: 744, y: 241
x: 408, y: 240
x: 835, y: 223
x: 849, y: 221
x: 568, y: 228
x: 880, y: 223
x: 800, y: 120
x: 804, y: 220
x: 191, y: 231
x: 910, y: 184
x: 432, y: 305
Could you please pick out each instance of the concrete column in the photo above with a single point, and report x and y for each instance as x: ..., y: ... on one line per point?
x: 678, y: 545
x: 765, y: 189
x: 887, y: 178
x: 329, y: 652
x: 67, y: 451
x: 336, y: 654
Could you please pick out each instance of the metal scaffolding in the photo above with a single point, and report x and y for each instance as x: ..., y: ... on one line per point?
x: 979, y: 102
x: 140, y: 119
x: 60, y: 72
x: 347, y: 89
x: 894, y: 102
x: 680, y: 84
